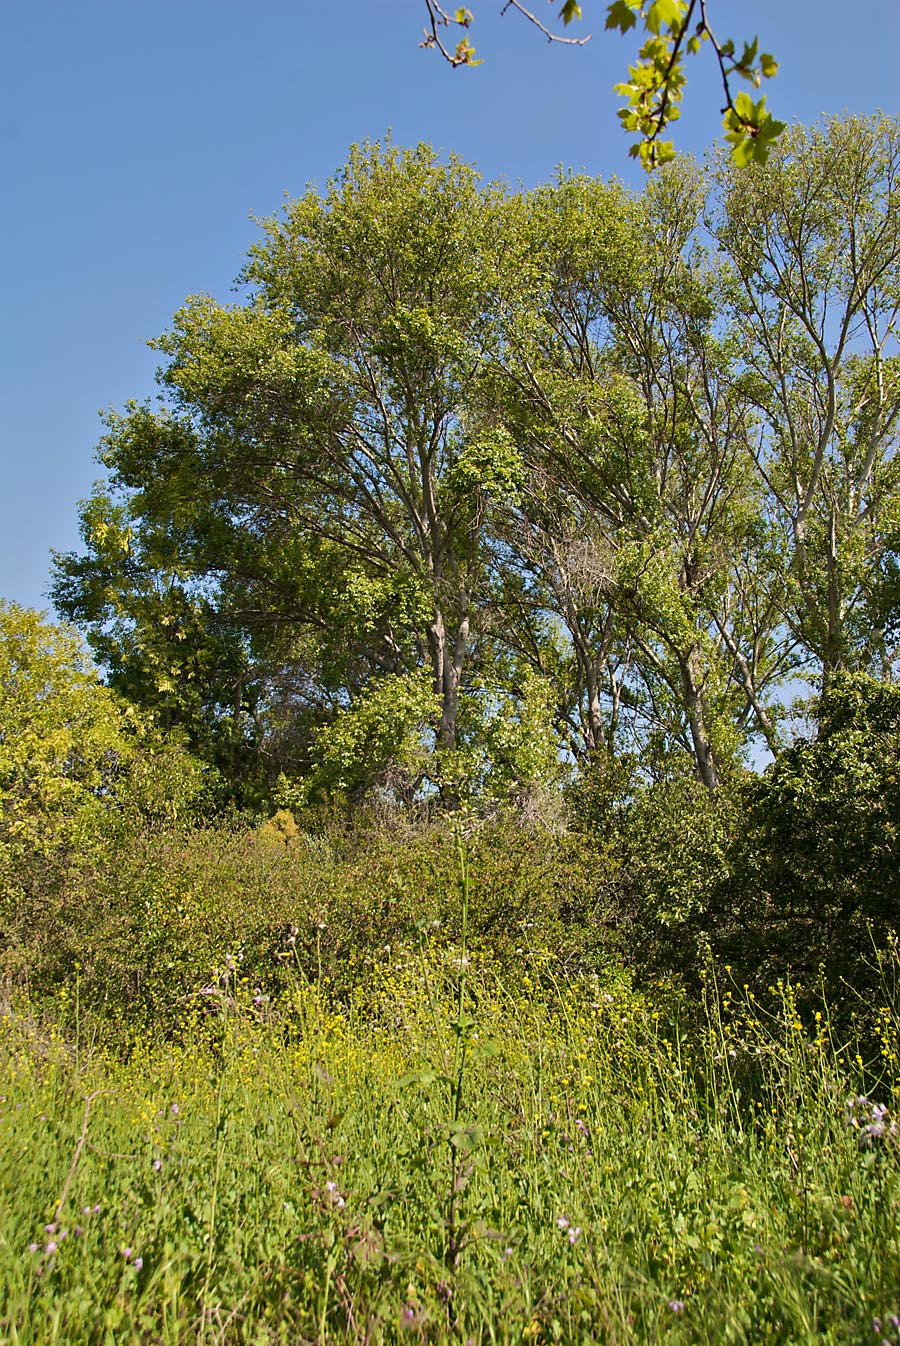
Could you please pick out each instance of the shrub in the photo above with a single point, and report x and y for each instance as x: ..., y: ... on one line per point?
x: 76, y: 767
x: 815, y: 884
x: 151, y: 924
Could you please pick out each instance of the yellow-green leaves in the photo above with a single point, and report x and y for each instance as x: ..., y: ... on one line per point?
x: 438, y: 20
x: 384, y: 728
x: 663, y: 15
x: 750, y: 130
x: 570, y: 10
x: 489, y: 464
x: 69, y: 749
x: 655, y: 87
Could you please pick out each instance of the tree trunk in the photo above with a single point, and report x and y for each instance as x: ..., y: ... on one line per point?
x: 448, y: 662
x: 691, y: 684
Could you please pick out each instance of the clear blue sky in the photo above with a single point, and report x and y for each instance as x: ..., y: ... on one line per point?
x: 138, y: 137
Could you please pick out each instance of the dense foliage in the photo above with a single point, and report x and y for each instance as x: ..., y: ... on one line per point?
x: 470, y: 482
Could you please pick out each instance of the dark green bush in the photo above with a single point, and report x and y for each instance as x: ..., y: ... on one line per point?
x: 793, y: 875
x: 814, y: 889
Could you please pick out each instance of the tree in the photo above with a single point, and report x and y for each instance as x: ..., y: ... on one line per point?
x: 641, y: 530
x: 813, y: 887
x: 463, y: 467
x: 654, y: 89
x: 161, y: 639
x: 813, y: 243
x: 314, y: 466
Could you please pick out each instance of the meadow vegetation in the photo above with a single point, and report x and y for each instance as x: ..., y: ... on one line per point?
x: 451, y: 1150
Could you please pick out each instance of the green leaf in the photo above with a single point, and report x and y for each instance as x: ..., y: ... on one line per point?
x: 465, y: 1136
x: 663, y: 14
x: 768, y: 65
x: 570, y: 10
x: 748, y: 56
x: 418, y: 1077
x: 742, y: 152
x: 745, y: 108
x: 465, y: 54
x: 488, y: 1049
x: 622, y: 15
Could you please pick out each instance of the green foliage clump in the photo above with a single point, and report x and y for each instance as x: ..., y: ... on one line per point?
x: 815, y: 887
x: 149, y: 925
x: 78, y: 770
x: 380, y: 739
x: 791, y: 874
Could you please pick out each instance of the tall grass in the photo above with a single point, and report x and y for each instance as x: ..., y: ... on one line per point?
x: 451, y: 1153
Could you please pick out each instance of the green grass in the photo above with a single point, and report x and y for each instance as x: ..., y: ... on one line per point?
x: 452, y: 1153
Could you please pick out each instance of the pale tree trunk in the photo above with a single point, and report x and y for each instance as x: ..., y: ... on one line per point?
x: 691, y: 684
x: 834, y: 654
x: 597, y: 732
x: 448, y: 659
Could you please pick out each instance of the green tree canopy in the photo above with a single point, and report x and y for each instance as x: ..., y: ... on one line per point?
x: 601, y: 467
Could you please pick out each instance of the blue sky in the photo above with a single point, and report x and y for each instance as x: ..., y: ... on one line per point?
x: 138, y: 137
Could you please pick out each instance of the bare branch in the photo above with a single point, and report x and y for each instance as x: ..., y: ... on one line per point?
x: 547, y: 32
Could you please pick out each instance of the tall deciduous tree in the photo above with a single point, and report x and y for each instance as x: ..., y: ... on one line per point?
x: 814, y: 245
x: 314, y: 456
x: 462, y: 463
x: 624, y: 386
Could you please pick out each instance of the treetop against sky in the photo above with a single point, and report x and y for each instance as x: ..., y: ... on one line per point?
x: 138, y: 140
